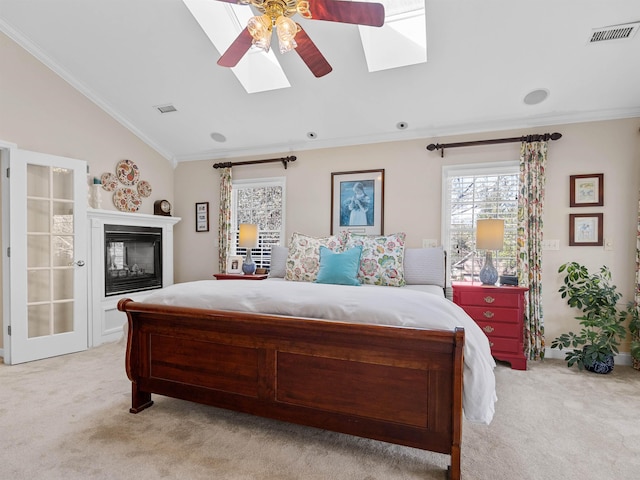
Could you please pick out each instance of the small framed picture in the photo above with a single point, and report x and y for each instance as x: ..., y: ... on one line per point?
x: 202, y: 217
x: 234, y: 264
x: 357, y: 202
x: 585, y: 229
x: 587, y: 190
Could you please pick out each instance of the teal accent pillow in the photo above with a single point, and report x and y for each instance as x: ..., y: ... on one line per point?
x: 339, y: 268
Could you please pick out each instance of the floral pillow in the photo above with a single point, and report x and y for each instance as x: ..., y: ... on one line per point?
x: 382, y: 260
x: 303, y: 260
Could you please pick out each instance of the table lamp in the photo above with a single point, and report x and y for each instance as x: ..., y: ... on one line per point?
x: 248, y: 238
x: 489, y: 236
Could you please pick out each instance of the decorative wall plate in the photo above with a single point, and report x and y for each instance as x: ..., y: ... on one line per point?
x: 127, y: 172
x: 144, y: 188
x: 109, y: 181
x: 126, y: 199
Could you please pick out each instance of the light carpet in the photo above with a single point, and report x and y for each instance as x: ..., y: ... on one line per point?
x: 67, y: 418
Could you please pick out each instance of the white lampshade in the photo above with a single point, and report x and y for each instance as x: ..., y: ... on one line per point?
x: 490, y: 234
x: 248, y: 236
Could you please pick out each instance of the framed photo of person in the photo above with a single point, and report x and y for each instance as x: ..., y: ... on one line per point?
x: 587, y: 190
x: 585, y: 229
x: 357, y: 202
x: 234, y: 264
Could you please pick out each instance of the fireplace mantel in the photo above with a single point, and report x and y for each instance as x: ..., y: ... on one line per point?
x: 105, y: 321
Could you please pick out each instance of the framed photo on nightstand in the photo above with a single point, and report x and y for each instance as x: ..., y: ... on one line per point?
x: 234, y: 264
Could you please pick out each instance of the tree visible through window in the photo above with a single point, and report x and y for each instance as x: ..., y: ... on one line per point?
x: 259, y: 202
x: 473, y: 193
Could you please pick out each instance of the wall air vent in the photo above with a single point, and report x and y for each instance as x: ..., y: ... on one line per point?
x: 614, y: 32
x: 166, y: 108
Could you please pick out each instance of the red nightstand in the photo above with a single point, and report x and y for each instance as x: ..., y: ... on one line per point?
x: 239, y: 276
x: 499, y: 312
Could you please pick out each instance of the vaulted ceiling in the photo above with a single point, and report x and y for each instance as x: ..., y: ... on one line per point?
x: 483, y: 58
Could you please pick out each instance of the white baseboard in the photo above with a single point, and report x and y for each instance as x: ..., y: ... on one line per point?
x: 620, y: 359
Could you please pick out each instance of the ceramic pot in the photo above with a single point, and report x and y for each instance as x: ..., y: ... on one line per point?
x: 603, y: 367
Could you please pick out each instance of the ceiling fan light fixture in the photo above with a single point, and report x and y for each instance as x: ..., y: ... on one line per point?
x: 260, y: 30
x: 286, y: 29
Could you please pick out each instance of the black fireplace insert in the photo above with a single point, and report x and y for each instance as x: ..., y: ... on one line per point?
x: 133, y: 259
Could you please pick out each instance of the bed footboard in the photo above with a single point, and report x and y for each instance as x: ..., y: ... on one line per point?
x: 394, y: 384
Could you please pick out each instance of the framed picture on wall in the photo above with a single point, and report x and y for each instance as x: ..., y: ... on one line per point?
x: 587, y: 190
x: 357, y: 202
x: 202, y: 217
x: 585, y: 229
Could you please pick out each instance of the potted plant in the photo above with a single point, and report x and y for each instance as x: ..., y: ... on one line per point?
x: 602, y: 322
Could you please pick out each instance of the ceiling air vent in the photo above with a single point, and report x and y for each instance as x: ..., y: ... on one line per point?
x: 166, y: 108
x: 614, y: 32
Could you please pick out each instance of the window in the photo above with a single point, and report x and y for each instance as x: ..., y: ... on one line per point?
x: 472, y: 192
x: 261, y: 202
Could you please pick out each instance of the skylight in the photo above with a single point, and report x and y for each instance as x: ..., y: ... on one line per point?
x: 400, y: 42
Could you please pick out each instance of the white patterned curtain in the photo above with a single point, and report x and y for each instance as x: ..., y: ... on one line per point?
x: 224, y: 219
x: 636, y: 336
x: 533, y: 157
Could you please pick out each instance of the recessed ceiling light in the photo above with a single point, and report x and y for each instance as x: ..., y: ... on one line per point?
x: 312, y: 135
x: 218, y: 137
x: 537, y: 96
x: 401, y: 125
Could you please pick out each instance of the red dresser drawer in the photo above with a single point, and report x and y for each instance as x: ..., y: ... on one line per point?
x: 488, y: 297
x: 494, y: 314
x: 496, y: 329
x: 505, y: 345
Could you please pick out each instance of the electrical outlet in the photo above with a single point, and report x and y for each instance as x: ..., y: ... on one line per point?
x: 429, y: 242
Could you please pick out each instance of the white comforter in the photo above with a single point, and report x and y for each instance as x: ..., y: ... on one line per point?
x: 364, y: 304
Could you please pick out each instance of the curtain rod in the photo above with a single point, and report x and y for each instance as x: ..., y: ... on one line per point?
x: 284, y: 161
x: 525, y: 138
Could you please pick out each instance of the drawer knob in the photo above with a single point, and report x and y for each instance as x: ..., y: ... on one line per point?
x: 489, y: 299
x: 488, y: 328
x: 488, y: 314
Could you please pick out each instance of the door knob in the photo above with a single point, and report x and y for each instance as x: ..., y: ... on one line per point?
x: 79, y: 263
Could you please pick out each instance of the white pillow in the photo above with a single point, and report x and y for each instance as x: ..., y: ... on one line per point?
x: 424, y: 266
x: 278, y: 261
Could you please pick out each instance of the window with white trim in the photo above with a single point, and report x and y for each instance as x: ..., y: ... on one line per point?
x: 472, y: 192
x: 261, y: 202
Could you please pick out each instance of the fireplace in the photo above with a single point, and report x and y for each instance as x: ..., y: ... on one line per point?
x: 133, y: 259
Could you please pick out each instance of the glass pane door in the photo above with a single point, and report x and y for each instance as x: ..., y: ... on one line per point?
x: 48, y: 206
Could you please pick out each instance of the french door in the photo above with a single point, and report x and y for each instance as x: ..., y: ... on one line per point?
x: 46, y: 256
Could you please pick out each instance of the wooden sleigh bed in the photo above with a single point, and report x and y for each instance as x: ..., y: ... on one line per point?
x: 368, y: 368
x: 394, y: 384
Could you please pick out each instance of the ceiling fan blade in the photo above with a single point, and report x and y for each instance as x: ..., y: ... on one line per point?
x: 236, y: 50
x: 360, y: 13
x: 311, y: 55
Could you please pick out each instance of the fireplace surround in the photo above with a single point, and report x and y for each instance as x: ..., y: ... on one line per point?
x: 130, y: 274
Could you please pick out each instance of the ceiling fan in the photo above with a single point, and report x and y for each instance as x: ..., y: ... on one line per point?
x: 276, y: 13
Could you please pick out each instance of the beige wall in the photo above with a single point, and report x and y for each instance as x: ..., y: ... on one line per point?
x: 413, y: 197
x: 43, y: 113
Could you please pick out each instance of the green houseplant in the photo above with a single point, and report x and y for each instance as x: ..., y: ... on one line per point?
x: 634, y: 328
x: 602, y: 322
